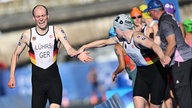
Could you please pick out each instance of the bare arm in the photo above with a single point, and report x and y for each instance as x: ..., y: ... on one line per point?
x: 145, y: 41
x: 60, y: 35
x: 83, y: 56
x: 24, y: 39
x: 171, y: 45
x: 98, y: 43
x: 157, y: 40
x: 152, y: 34
x: 120, y: 55
x: 155, y: 29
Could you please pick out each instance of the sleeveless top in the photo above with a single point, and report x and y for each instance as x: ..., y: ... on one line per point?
x: 141, y: 56
x: 43, y: 49
x: 144, y: 29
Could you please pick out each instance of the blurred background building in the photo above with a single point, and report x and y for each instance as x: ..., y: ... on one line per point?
x: 83, y: 21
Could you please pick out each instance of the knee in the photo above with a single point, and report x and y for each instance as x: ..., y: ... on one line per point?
x: 54, y: 105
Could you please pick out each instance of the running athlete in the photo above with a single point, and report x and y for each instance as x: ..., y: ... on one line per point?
x: 145, y: 53
x: 125, y: 62
x: 188, y: 30
x: 172, y: 41
x: 43, y: 42
x: 154, y: 24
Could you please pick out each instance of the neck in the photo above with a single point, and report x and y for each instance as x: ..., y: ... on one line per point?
x: 127, y: 35
x: 138, y: 27
x: 148, y: 21
x: 42, y: 30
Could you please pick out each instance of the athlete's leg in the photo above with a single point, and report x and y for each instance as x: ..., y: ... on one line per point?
x: 54, y: 105
x: 39, y: 97
x: 158, y: 85
x: 154, y: 106
x: 167, y: 103
x: 141, y: 88
x: 139, y: 102
x: 148, y: 103
x: 55, y: 94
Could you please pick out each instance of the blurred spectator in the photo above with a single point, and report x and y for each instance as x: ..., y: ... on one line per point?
x: 2, y: 66
x: 188, y: 30
x: 97, y: 89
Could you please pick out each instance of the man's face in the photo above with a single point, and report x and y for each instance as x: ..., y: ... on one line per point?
x: 119, y: 33
x: 40, y: 17
x: 137, y: 19
x: 153, y: 14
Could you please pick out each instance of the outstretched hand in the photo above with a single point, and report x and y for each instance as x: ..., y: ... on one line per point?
x: 83, y: 56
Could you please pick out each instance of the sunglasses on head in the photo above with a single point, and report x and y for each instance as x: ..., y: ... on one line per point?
x: 136, y: 17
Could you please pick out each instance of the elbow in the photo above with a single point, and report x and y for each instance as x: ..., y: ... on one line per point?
x: 14, y: 57
x: 174, y: 44
x: 121, y: 67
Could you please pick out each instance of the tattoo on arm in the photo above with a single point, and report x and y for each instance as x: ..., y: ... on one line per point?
x: 117, y: 53
x: 65, y: 37
x: 142, y: 38
x: 20, y: 41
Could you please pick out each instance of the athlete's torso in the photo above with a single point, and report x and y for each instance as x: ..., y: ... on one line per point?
x: 43, y: 49
x: 141, y: 56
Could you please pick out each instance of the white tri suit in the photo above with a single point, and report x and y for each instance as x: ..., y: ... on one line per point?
x: 150, y: 78
x: 46, y: 81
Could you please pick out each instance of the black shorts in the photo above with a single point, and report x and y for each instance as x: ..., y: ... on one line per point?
x: 46, y: 84
x: 150, y: 80
x: 169, y: 86
x: 167, y: 92
x: 182, y: 80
